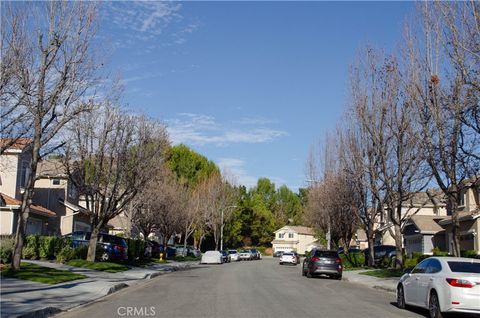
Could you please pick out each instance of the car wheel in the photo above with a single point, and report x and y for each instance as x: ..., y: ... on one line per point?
x: 400, y: 297
x: 105, y: 257
x: 338, y: 277
x: 434, y: 306
x: 309, y: 275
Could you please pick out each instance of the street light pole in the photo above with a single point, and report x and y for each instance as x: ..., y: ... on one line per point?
x: 221, y: 227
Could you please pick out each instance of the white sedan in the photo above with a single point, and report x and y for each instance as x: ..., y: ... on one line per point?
x: 442, y: 285
x: 234, y: 255
x: 212, y: 257
x: 288, y: 258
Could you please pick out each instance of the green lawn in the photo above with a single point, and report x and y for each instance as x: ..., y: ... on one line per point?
x: 384, y: 273
x: 99, y: 266
x: 41, y: 274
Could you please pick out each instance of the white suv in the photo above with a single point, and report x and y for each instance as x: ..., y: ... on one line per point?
x: 288, y: 258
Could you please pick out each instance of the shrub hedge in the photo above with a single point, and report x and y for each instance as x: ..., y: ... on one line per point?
x: 136, y: 249
x: 353, y: 260
x: 6, y: 249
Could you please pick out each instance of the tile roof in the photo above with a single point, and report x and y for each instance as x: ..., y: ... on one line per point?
x: 427, y: 224
x: 9, y: 201
x: 18, y: 144
x: 51, y: 168
x: 302, y: 229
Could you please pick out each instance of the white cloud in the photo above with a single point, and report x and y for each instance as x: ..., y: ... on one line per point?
x: 203, y: 129
x: 236, y: 168
x: 256, y: 121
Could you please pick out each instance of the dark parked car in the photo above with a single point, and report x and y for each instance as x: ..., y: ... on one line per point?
x: 277, y: 254
x: 171, y: 251
x: 225, y: 256
x: 156, y: 249
x: 109, y: 247
x: 381, y: 253
x: 255, y: 253
x: 321, y: 262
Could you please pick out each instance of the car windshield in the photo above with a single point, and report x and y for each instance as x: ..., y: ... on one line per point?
x: 232, y: 252
x: 287, y: 254
x: 245, y: 251
x: 464, y: 267
x: 329, y: 254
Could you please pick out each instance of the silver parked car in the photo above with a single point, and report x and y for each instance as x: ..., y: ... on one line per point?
x: 246, y: 255
x: 442, y: 285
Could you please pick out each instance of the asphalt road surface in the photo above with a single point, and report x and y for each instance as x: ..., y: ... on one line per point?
x: 245, y: 289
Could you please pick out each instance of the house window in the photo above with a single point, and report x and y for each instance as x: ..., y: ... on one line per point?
x: 461, y: 199
x: 24, y: 172
x: 281, y: 235
x: 56, y: 181
x: 72, y: 191
x: 290, y: 235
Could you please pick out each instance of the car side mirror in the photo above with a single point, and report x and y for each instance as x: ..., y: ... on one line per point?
x: 408, y: 270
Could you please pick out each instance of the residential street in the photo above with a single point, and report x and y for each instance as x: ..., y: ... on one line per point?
x: 245, y: 289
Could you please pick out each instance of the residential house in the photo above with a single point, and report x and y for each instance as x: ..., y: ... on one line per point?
x: 359, y: 240
x: 54, y: 190
x: 430, y: 203
x: 422, y: 233
x: 469, y: 217
x: 294, y: 238
x: 14, y: 171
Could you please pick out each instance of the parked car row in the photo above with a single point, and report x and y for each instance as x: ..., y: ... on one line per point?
x: 227, y: 256
x: 109, y: 247
x: 153, y: 249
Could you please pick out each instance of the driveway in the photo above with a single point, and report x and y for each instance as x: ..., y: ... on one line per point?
x: 245, y: 289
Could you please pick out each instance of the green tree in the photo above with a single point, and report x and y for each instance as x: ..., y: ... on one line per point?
x: 189, y: 166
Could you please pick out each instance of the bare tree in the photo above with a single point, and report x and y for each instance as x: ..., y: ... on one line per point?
x: 217, y: 197
x: 385, y: 113
x: 442, y: 82
x: 110, y: 158
x: 332, y: 203
x: 48, y: 73
x: 168, y: 204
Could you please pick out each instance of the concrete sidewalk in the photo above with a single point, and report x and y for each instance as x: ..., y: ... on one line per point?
x: 387, y: 284
x: 21, y: 298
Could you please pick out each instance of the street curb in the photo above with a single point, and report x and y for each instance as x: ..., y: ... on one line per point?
x: 116, y: 288
x: 52, y: 311
x: 153, y: 275
x: 42, y: 313
x: 387, y: 289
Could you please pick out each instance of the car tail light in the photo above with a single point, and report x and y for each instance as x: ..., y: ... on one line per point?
x: 460, y: 283
x: 315, y: 259
x: 338, y: 261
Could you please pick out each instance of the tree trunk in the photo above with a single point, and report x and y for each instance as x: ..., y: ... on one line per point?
x: 399, y: 246
x: 455, y: 226
x: 200, y: 241
x: 92, y: 244
x: 26, y: 201
x: 371, y: 244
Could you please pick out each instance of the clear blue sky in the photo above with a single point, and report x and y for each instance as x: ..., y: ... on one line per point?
x: 250, y: 85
